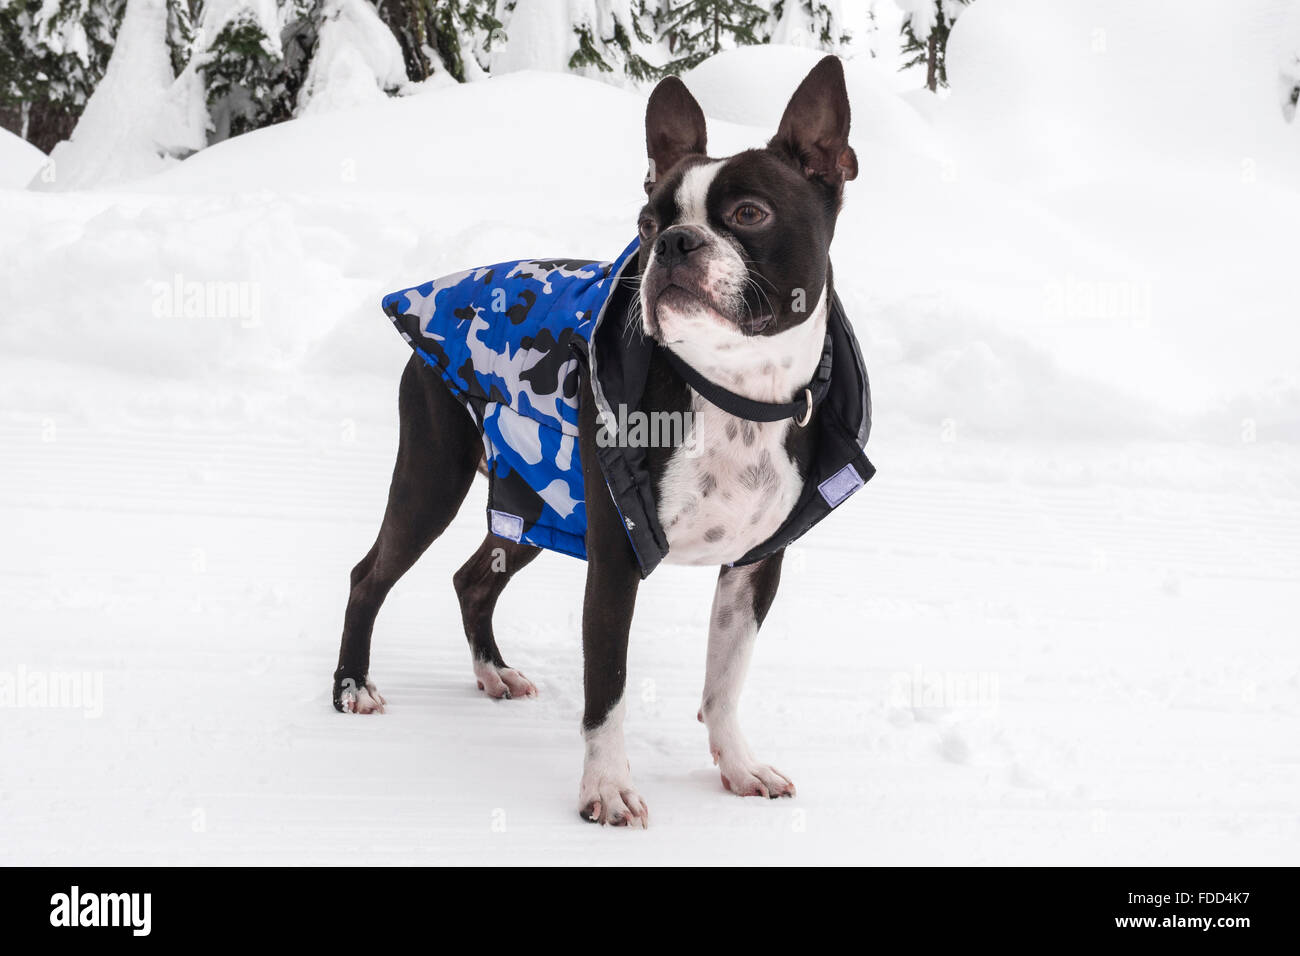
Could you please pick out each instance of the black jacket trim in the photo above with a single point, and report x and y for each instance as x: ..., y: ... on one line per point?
x: 618, y: 360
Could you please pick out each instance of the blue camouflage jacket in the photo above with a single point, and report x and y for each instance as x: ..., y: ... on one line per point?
x: 507, y: 339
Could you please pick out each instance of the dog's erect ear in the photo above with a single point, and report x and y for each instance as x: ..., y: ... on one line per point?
x: 674, y: 127
x: 815, y: 128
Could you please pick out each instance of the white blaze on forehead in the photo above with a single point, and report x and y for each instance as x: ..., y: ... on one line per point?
x: 693, y: 191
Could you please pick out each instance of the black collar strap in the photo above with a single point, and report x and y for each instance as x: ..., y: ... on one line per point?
x: 800, y: 409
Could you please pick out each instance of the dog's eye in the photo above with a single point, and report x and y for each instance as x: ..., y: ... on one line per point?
x: 646, y: 227
x: 747, y: 214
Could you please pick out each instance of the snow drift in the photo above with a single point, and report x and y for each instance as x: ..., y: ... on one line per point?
x: 19, y: 161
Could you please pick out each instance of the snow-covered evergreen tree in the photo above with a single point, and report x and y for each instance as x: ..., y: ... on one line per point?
x: 53, y: 53
x: 877, y: 34
x: 611, y: 40
x: 248, y: 81
x: 180, y: 32
x: 614, y: 36
x: 240, y: 65
x: 926, y: 25
x: 870, y: 32
x: 355, y: 60
x: 809, y: 23
x: 116, y: 137
x: 696, y: 29
x: 253, y: 63
x: 445, y: 37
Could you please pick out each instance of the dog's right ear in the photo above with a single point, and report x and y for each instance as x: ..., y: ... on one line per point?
x: 674, y: 128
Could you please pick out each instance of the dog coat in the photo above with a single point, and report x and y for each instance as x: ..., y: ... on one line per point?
x: 507, y: 340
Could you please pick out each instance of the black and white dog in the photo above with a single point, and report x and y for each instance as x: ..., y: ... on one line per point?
x: 732, y: 281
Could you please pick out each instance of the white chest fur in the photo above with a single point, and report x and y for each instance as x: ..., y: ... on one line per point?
x: 729, y: 491
x: 733, y: 484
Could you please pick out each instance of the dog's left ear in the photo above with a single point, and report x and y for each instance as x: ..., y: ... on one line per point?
x: 815, y: 128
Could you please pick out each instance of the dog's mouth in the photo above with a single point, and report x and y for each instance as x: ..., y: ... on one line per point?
x: 680, y: 298
x: 673, y: 296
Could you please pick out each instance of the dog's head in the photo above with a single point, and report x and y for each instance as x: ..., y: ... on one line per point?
x: 738, y: 248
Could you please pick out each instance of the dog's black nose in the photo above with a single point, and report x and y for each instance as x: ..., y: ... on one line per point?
x: 676, y: 243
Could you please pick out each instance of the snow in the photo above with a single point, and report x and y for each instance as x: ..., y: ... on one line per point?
x: 1174, y: 179
x: 541, y: 35
x: 751, y: 85
x: 1107, y: 73
x: 795, y: 27
x: 1057, y: 627
x: 61, y: 36
x: 19, y: 160
x: 116, y: 137
x: 141, y: 117
x: 874, y: 27
x: 921, y: 14
x: 357, y: 59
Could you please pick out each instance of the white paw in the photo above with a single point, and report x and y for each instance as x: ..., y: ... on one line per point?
x: 502, y: 682
x: 748, y: 778
x: 364, y: 700
x: 612, y: 801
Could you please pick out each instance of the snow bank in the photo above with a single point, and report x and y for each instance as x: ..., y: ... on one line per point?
x: 1107, y: 86
x: 1158, y: 135
x: 1013, y: 300
x: 318, y: 217
x: 751, y: 86
x: 472, y: 146
x: 19, y: 160
x: 309, y: 222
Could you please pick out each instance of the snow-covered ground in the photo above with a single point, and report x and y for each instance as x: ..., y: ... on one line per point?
x: 1059, y: 626
x: 19, y: 160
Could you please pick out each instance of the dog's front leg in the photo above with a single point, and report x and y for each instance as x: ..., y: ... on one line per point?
x: 606, y: 794
x: 740, y: 603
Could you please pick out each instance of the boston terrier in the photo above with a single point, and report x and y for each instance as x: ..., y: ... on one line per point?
x: 725, y: 314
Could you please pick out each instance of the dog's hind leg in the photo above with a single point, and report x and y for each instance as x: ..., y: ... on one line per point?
x: 479, y: 583
x: 438, y: 450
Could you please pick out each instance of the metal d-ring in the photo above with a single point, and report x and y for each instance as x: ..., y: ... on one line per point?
x: 807, y: 415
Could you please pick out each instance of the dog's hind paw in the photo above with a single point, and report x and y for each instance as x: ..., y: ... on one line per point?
x: 502, y: 682
x: 351, y: 699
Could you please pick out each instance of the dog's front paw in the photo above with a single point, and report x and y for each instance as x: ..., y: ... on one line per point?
x: 502, y: 682
x: 351, y: 698
x: 747, y: 778
x: 612, y: 801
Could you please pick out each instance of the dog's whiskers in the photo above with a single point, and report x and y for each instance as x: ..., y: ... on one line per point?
x: 750, y: 275
x: 750, y: 283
